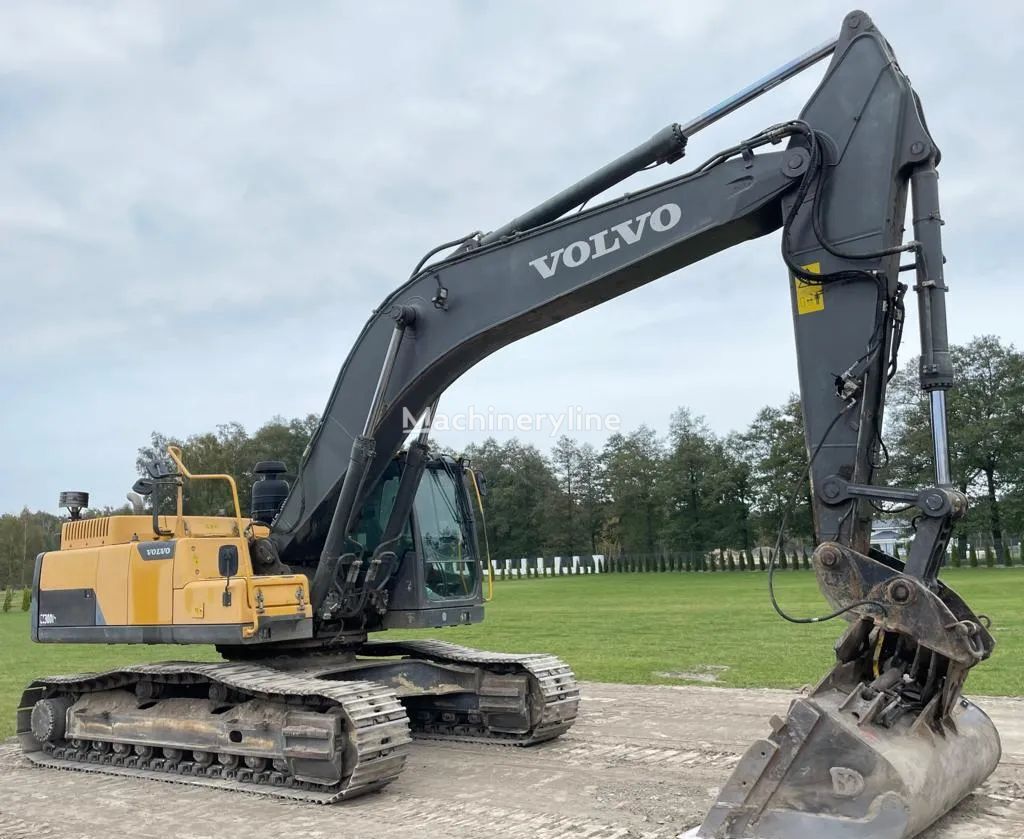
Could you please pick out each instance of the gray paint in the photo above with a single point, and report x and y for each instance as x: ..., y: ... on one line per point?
x: 279, y: 629
x: 868, y: 118
x: 497, y: 297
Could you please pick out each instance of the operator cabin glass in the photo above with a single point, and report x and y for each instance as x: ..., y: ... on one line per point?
x: 449, y: 560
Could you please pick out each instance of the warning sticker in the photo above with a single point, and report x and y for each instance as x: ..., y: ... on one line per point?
x: 809, y: 297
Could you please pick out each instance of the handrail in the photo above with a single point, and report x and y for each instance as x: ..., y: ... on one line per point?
x: 487, y: 545
x: 175, y: 454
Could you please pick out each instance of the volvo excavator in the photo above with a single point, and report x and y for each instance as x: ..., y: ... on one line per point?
x: 376, y: 532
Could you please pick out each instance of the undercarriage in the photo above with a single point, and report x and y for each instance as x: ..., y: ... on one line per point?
x: 318, y: 728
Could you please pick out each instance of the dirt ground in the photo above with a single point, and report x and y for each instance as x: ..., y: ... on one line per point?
x: 613, y: 775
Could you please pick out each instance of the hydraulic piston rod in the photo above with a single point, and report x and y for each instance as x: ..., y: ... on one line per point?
x: 667, y: 146
x: 940, y: 437
x: 762, y: 85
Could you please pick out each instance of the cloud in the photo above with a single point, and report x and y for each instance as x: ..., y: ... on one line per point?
x: 202, y: 204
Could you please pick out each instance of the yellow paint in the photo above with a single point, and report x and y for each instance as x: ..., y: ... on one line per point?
x: 112, y: 583
x: 62, y: 570
x: 184, y: 589
x: 280, y: 591
x: 203, y: 602
x: 809, y: 297
x: 116, y: 530
x: 149, y: 590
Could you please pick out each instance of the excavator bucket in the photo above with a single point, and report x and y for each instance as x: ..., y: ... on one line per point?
x: 885, y: 744
x: 822, y: 773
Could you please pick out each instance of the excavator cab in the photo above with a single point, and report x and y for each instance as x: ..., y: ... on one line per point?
x: 438, y: 581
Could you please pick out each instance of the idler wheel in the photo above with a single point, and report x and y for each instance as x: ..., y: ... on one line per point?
x: 50, y: 718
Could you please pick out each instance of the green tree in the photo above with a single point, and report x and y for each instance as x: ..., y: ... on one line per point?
x: 685, y: 483
x: 22, y: 538
x: 775, y: 450
x: 591, y: 494
x: 521, y: 499
x: 633, y: 467
x: 230, y: 450
x: 569, y: 526
x: 986, y: 431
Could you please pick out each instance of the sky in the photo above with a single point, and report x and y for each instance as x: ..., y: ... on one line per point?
x: 201, y: 203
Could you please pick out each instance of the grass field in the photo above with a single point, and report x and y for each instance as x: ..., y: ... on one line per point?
x: 634, y: 628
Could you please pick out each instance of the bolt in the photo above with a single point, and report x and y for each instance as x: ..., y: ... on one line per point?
x: 828, y: 557
x: 933, y: 502
x: 830, y: 490
x: 916, y: 147
x: 795, y: 161
x: 900, y: 592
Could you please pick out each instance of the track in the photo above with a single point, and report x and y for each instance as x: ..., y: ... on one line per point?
x: 640, y: 763
x: 375, y: 731
x: 556, y: 693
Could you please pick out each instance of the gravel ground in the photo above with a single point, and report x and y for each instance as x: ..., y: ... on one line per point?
x: 614, y: 775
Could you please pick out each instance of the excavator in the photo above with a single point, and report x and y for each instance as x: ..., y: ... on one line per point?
x: 377, y: 532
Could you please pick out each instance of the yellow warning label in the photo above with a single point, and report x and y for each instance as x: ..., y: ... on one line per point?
x: 809, y: 297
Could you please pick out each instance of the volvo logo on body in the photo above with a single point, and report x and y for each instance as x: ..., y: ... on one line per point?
x: 609, y: 240
x: 156, y: 550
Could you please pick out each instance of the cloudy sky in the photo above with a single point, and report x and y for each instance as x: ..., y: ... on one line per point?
x: 200, y: 203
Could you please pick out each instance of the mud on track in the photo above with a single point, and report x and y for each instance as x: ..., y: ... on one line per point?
x: 641, y: 762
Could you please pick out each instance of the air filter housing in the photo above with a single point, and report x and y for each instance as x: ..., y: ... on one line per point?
x: 269, y: 492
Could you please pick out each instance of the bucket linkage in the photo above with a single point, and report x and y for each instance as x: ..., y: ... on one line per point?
x: 885, y: 744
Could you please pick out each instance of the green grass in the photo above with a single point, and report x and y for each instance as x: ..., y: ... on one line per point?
x: 634, y: 627
x: 620, y: 628
x: 21, y: 660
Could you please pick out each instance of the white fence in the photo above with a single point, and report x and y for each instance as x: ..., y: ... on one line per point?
x: 547, y: 566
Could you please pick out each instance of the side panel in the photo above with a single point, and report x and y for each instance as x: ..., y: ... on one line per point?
x: 112, y: 585
x: 150, y: 575
x: 164, y: 591
x: 83, y: 588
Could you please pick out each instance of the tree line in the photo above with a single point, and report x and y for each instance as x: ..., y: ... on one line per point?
x: 688, y: 490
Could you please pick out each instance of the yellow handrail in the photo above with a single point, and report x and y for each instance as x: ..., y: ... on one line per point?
x: 175, y: 454
x: 487, y: 544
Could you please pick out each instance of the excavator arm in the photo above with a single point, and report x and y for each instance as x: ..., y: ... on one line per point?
x: 838, y: 191
x: 868, y: 751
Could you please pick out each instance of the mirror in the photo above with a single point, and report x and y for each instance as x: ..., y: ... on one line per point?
x: 143, y: 486
x: 227, y: 560
x: 481, y: 482
x: 159, y: 469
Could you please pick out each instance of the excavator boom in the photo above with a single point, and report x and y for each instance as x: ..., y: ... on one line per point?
x: 838, y: 191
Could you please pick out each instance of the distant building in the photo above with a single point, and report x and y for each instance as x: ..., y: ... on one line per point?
x: 887, y: 533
